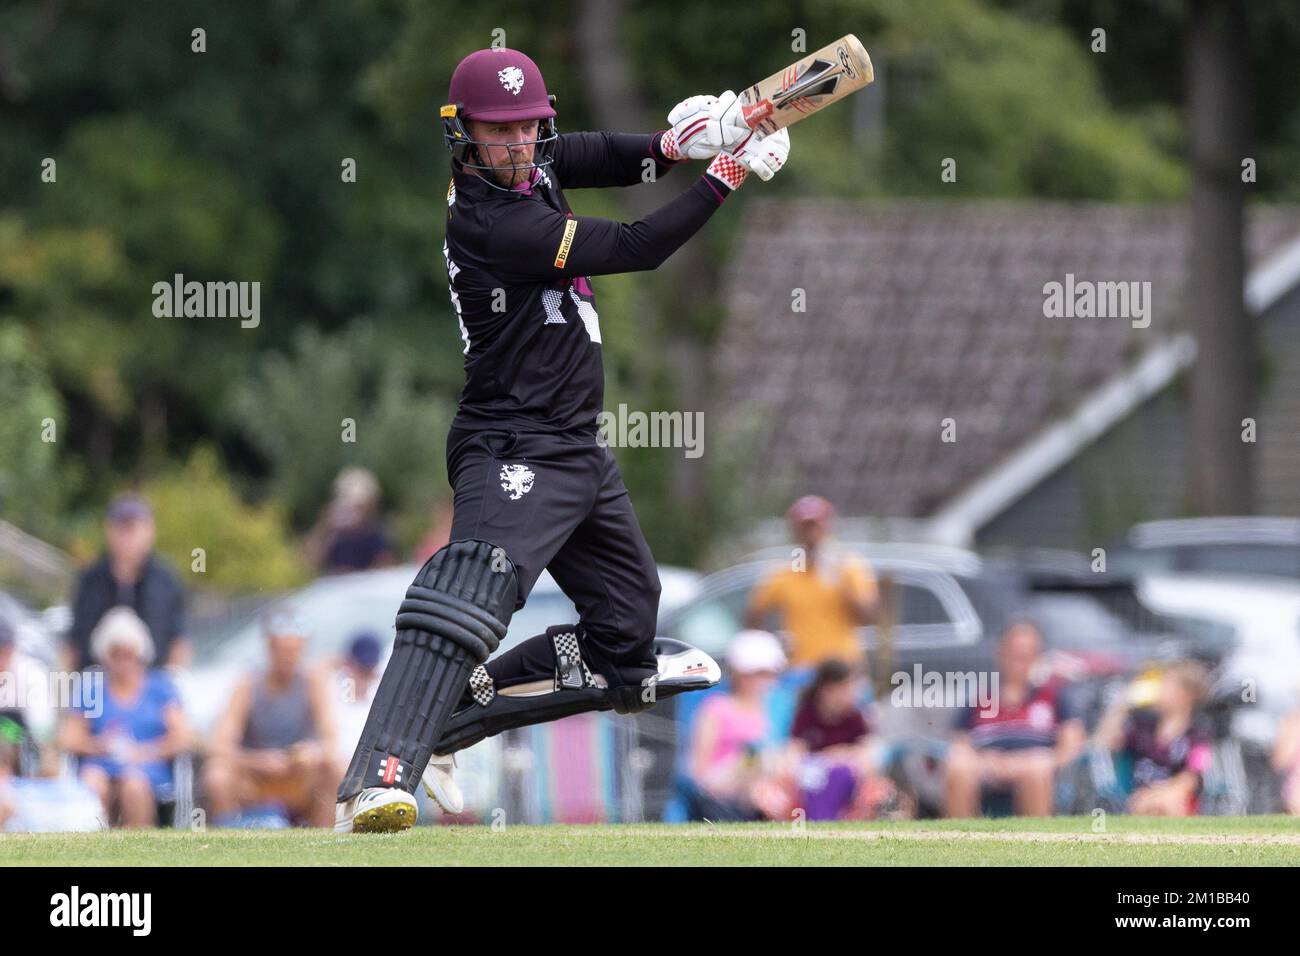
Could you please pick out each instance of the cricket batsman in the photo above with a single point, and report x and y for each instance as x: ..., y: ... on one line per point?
x: 534, y: 486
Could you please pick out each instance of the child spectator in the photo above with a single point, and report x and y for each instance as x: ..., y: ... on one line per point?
x: 1169, y: 749
x: 829, y: 743
x: 730, y: 730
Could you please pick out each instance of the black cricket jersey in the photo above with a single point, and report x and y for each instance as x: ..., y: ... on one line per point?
x: 519, y: 267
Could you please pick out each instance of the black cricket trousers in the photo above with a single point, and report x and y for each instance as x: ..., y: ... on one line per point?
x: 557, y: 501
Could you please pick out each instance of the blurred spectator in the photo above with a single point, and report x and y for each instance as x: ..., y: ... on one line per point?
x: 349, y: 535
x: 127, y: 733
x: 24, y: 688
x: 354, y: 679
x: 834, y: 767
x: 130, y: 575
x: 1168, y: 748
x: 8, y: 769
x: 730, y: 729
x: 1014, y: 747
x: 275, y: 742
x: 821, y: 600
x: 1286, y: 761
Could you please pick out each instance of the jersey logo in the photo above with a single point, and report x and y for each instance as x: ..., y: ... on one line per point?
x: 562, y: 254
x: 512, y: 78
x: 451, y: 193
x: 551, y: 301
x: 517, y: 480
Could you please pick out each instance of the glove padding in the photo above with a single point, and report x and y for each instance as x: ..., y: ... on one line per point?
x: 763, y: 155
x: 703, y: 126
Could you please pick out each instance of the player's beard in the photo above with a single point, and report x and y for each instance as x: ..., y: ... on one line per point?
x: 509, y: 175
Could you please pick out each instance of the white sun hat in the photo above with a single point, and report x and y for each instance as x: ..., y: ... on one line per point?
x: 752, y: 652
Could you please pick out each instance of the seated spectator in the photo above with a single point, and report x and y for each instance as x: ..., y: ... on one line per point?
x: 275, y: 742
x: 834, y: 767
x: 1169, y: 749
x: 24, y: 689
x: 730, y: 730
x: 8, y: 770
x: 1286, y: 761
x: 349, y: 535
x: 128, y: 733
x: 354, y: 680
x: 1015, y: 746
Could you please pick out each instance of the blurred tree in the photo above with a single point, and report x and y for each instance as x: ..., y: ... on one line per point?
x: 340, y: 400
x: 33, y: 475
x: 243, y: 547
x: 226, y: 164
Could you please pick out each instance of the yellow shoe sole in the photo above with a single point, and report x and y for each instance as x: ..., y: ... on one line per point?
x: 390, y: 818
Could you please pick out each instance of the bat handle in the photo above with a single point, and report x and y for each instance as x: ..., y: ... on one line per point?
x: 756, y: 113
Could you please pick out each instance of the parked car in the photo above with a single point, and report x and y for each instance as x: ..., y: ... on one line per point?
x: 530, y: 773
x: 1239, y: 546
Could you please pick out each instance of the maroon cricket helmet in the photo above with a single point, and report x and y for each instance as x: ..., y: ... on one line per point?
x: 499, y: 85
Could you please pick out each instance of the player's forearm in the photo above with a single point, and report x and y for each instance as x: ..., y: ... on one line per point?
x: 612, y: 159
x: 636, y: 247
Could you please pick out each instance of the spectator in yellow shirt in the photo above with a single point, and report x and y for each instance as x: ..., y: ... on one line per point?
x: 822, y: 598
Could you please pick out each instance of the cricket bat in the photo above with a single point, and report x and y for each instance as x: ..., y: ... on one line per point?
x: 806, y: 86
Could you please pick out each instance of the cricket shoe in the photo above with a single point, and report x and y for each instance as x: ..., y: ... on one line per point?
x: 441, y: 787
x: 376, y: 810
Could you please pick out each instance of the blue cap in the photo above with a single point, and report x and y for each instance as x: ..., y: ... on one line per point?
x: 365, y: 649
x: 128, y: 507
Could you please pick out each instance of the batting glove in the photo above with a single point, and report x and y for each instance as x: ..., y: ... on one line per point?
x: 703, y: 126
x: 763, y: 156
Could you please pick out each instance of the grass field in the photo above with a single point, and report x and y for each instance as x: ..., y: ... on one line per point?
x: 1208, y: 841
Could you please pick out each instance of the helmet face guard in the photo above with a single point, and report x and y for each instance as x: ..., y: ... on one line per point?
x: 465, y: 150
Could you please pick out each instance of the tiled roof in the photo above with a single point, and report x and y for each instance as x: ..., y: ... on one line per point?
x: 919, y: 311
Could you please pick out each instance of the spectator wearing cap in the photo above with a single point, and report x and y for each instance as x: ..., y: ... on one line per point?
x: 730, y: 730
x: 128, y: 733
x: 130, y: 574
x: 349, y: 535
x: 354, y: 680
x: 275, y: 741
x: 823, y: 597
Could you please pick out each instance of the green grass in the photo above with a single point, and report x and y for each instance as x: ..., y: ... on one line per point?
x: 1059, y: 841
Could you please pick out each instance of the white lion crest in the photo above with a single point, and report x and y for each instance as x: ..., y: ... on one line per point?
x: 512, y: 78
x: 516, y: 479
